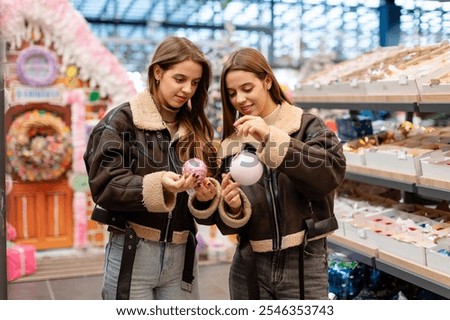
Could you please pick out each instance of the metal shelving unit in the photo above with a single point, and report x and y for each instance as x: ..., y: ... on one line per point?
x: 421, y: 190
x: 434, y: 107
x: 433, y: 192
x: 367, y: 256
x: 383, y: 182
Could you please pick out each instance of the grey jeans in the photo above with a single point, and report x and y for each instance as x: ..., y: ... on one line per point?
x: 157, y: 270
x: 278, y: 273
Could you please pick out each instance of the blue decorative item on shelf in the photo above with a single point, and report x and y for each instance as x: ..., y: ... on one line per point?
x: 353, y: 127
x: 345, y: 276
x: 444, y: 252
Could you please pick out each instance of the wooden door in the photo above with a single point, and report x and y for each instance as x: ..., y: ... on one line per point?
x: 41, y: 212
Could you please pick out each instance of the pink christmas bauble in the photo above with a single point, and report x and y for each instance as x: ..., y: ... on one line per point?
x: 246, y: 168
x: 197, y: 166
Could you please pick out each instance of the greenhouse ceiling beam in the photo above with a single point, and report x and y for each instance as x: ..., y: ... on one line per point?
x: 106, y: 5
x: 165, y: 24
x: 150, y: 9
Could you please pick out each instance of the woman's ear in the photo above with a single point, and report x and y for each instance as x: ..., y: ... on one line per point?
x: 268, y: 82
x: 157, y: 72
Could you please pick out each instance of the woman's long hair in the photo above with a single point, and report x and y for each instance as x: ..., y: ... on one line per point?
x: 249, y: 60
x: 171, y: 51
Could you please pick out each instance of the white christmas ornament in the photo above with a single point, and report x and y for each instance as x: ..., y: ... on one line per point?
x: 246, y: 168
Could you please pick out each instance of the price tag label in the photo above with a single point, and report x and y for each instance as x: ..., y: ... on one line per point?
x: 401, y: 154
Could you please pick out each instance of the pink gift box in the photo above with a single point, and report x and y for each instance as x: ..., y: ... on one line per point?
x: 21, y: 260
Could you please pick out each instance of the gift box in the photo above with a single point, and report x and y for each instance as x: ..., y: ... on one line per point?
x: 21, y: 261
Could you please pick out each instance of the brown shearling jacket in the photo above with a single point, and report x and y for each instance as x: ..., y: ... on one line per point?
x: 303, y: 164
x: 127, y: 153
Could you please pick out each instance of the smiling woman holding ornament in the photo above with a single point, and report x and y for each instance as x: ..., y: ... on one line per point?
x: 134, y: 161
x: 283, y: 208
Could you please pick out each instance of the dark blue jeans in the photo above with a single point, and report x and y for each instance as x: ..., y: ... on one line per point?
x: 278, y: 273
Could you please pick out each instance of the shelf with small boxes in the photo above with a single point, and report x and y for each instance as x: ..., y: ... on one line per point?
x: 422, y: 276
x: 407, y: 241
x: 414, y: 160
x: 419, y: 165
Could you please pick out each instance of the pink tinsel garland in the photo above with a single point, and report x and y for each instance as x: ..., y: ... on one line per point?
x: 77, y: 100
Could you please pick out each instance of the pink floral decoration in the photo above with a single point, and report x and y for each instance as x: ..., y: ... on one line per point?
x: 11, y: 233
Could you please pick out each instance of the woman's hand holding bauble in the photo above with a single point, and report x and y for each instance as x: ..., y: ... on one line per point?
x: 197, y: 167
x: 246, y: 168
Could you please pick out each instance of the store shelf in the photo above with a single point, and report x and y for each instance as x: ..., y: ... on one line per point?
x: 353, y: 249
x: 402, y: 183
x: 419, y: 275
x: 376, y: 106
x: 367, y: 175
x: 374, y: 103
x: 433, y: 192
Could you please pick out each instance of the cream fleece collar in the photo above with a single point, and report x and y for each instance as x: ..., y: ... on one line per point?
x: 146, y: 115
x: 289, y: 120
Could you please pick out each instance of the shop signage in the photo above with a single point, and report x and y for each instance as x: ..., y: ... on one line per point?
x: 24, y: 94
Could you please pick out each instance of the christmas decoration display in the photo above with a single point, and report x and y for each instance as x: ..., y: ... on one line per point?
x: 56, y: 70
x: 39, y: 146
x: 29, y: 20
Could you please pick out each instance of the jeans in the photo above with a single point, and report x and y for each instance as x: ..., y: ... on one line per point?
x: 278, y: 273
x: 157, y: 271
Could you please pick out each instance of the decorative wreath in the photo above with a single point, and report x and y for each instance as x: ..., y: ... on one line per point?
x: 36, y: 66
x: 39, y: 146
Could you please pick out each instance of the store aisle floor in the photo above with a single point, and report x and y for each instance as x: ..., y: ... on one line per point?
x: 213, y: 281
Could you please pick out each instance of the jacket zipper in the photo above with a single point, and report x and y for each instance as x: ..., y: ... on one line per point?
x: 169, y: 219
x: 277, y: 240
x: 310, y: 208
x: 170, y: 214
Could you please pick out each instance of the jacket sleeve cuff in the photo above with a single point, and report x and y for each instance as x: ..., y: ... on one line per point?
x: 155, y: 198
x: 273, y: 151
x: 236, y: 220
x: 205, y: 213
